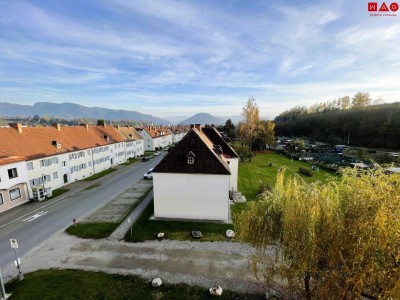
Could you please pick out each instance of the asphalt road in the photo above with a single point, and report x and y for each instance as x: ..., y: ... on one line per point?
x: 34, y: 228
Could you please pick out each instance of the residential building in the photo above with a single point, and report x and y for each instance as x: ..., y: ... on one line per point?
x: 134, y: 142
x: 156, y: 137
x: 195, y: 178
x: 13, y: 181
x: 57, y: 155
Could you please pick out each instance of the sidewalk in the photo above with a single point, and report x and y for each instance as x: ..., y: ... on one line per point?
x: 122, y: 229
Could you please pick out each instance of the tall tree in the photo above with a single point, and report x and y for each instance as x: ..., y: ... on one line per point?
x: 229, y: 129
x: 248, y: 129
x: 361, y: 99
x: 339, y: 240
x: 266, y: 132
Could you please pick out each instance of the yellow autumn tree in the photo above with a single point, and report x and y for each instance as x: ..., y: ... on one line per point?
x: 247, y: 130
x: 339, y: 240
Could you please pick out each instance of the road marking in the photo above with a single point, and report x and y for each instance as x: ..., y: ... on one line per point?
x: 74, y: 192
x: 35, y: 216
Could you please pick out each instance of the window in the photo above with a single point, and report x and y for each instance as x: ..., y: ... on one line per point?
x: 12, y: 173
x: 29, y: 165
x: 15, y: 194
x: 1, y: 199
x: 55, y: 175
x: 64, y: 163
x: 88, y: 152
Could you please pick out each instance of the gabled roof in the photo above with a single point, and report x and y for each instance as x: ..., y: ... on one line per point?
x: 156, y: 132
x: 215, y: 137
x: 36, y: 142
x: 129, y: 133
x: 206, y: 160
x: 7, y: 158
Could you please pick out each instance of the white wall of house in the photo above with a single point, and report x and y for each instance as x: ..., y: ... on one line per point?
x: 101, y: 157
x: 134, y: 148
x: 13, y: 191
x: 118, y: 154
x: 178, y: 136
x: 147, y: 141
x: 164, y: 141
x: 197, y: 196
x: 234, y: 168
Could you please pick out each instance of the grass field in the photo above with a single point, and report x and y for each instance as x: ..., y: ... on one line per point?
x: 92, y: 230
x: 101, y: 230
x: 130, y: 161
x: 101, y: 174
x: 82, y: 285
x: 58, y: 192
x: 145, y: 229
x: 251, y: 174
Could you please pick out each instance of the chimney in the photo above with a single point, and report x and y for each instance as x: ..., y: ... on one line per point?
x: 16, y: 126
x: 191, y: 126
x: 198, y: 127
x: 117, y: 126
x: 57, y: 126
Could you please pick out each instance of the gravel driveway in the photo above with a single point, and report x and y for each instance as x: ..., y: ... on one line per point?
x: 195, y: 263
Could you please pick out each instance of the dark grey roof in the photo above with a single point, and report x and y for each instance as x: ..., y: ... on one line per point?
x: 215, y: 138
x: 206, y: 161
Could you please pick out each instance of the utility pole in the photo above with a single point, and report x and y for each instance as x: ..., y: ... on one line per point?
x: 3, y: 294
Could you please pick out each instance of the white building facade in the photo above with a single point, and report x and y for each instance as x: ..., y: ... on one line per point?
x: 13, y: 185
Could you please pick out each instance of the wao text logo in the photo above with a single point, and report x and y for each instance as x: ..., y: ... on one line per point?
x: 373, y: 6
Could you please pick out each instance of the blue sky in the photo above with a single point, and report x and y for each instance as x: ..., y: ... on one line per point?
x: 170, y: 58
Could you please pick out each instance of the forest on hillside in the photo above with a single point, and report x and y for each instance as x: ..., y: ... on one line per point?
x: 363, y: 124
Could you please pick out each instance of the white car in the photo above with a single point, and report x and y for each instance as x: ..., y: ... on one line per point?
x: 148, y: 175
x: 156, y: 153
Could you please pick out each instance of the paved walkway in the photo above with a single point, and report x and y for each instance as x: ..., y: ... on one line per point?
x: 122, y: 229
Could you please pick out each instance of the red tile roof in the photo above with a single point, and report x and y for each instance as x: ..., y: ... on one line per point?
x: 35, y: 142
x: 129, y: 133
x: 7, y: 158
x: 156, y: 132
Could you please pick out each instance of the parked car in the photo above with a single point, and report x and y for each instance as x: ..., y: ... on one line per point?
x: 156, y: 153
x: 145, y: 158
x: 148, y: 175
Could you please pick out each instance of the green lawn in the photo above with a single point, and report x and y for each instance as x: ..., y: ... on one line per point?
x: 100, y: 230
x: 145, y: 229
x: 92, y: 230
x: 251, y: 174
x: 58, y: 192
x: 83, y: 285
x: 93, y: 186
x: 130, y: 161
x: 101, y: 174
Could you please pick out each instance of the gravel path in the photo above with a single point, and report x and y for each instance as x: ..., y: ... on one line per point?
x: 196, y: 263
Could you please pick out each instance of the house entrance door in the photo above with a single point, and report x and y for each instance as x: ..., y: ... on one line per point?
x: 65, y: 178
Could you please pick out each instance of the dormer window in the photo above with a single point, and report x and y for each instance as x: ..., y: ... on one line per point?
x: 190, y: 158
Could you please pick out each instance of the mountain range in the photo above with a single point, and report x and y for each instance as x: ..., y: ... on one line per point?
x: 73, y: 111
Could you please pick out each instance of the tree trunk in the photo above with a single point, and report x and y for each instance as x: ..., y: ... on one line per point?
x: 307, y: 285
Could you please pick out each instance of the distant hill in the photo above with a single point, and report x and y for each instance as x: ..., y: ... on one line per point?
x: 72, y: 110
x: 203, y: 118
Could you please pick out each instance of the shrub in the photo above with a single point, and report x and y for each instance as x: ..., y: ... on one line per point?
x: 305, y: 171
